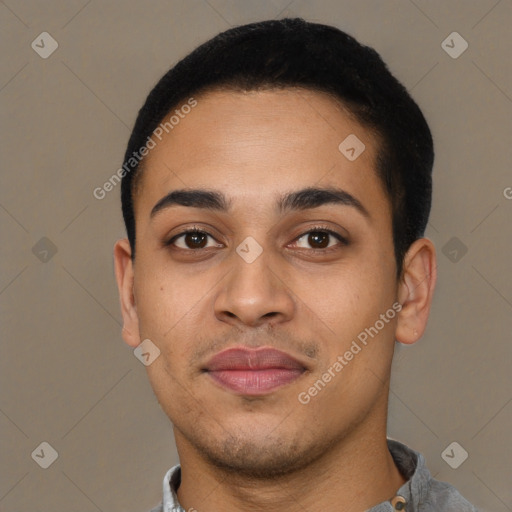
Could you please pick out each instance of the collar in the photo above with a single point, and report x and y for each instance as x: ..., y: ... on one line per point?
x: 409, y: 462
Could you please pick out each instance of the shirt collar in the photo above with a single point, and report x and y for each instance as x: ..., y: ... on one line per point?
x: 410, y: 463
x: 412, y: 466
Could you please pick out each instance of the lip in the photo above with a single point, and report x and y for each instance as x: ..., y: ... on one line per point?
x: 253, y: 371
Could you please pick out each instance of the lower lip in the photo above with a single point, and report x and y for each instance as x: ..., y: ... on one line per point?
x: 255, y: 382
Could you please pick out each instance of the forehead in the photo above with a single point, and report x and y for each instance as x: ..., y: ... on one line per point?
x: 255, y: 145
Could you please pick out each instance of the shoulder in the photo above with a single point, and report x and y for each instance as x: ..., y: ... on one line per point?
x: 442, y: 496
x: 424, y: 492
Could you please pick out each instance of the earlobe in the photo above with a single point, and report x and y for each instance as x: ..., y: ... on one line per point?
x: 125, y: 277
x: 416, y: 290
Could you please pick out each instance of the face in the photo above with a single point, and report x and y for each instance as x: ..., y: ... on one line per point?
x: 305, y: 276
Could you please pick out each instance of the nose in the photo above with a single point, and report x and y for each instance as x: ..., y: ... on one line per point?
x: 255, y: 293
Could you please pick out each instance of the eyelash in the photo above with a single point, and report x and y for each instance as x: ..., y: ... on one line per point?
x: 321, y: 229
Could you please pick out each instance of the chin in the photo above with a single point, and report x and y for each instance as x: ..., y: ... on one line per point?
x: 260, y: 457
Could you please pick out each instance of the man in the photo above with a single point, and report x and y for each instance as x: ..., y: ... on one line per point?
x: 276, y: 189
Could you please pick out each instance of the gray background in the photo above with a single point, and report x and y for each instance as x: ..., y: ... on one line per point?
x: 67, y: 377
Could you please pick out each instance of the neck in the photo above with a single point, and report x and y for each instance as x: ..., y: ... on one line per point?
x: 357, y: 473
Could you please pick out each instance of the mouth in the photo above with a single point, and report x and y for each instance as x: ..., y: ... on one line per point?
x: 253, y: 372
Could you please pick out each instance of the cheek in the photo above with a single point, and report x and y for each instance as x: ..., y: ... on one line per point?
x: 167, y: 300
x: 349, y: 301
x: 343, y: 296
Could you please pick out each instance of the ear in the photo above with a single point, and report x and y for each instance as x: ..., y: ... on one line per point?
x: 124, y: 276
x: 416, y: 290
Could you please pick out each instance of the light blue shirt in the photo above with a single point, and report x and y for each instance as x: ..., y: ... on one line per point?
x: 421, y: 493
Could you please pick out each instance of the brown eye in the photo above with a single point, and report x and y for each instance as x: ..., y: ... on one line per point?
x: 192, y: 239
x: 320, y: 239
x: 195, y: 240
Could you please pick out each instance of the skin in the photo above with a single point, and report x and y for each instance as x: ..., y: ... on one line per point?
x: 272, y: 452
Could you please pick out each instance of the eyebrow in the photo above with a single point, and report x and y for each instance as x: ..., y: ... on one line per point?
x: 304, y: 199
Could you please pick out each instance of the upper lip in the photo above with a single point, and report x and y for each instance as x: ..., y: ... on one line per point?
x: 243, y: 358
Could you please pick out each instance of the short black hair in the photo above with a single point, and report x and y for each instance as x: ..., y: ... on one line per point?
x: 290, y: 53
